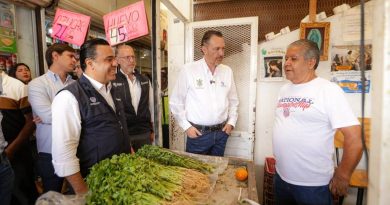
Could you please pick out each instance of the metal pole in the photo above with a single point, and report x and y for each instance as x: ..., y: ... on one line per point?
x: 155, y: 84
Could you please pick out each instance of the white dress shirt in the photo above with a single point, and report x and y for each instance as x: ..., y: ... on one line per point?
x: 66, y: 125
x: 135, y: 92
x: 203, y: 98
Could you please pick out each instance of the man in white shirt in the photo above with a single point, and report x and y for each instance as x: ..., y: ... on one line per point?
x: 61, y: 60
x: 308, y: 112
x: 88, y: 118
x: 204, y: 101
x: 137, y: 97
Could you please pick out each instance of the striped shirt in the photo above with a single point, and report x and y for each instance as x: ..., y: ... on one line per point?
x: 13, y: 106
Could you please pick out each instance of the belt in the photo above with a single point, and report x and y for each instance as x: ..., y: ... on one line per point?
x: 208, y: 128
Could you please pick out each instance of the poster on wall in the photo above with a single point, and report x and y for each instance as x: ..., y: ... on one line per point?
x: 126, y: 23
x: 6, y: 18
x: 351, y: 22
x: 347, y: 58
x: 7, y: 40
x: 7, y: 61
x: 271, y: 64
x: 351, y: 82
x: 345, y: 67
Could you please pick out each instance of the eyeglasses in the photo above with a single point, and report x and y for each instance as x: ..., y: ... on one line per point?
x: 128, y: 57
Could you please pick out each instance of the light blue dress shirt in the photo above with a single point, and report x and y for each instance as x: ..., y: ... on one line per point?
x: 41, y: 92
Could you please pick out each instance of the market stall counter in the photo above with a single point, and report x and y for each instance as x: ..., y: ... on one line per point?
x: 156, y: 175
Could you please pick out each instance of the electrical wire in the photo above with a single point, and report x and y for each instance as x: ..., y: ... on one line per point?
x: 362, y: 65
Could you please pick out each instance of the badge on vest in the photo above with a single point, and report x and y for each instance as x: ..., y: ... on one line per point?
x: 117, y: 84
x: 93, y: 101
x: 199, y: 84
x: 143, y: 83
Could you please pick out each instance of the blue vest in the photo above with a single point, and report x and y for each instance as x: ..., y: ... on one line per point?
x: 137, y: 123
x: 103, y: 130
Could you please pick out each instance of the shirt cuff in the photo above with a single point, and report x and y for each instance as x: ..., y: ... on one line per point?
x: 231, y: 122
x: 185, y: 125
x: 66, y: 169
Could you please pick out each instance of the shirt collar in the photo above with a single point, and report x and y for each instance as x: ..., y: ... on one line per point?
x: 206, y: 67
x: 97, y: 85
x: 127, y: 77
x: 54, y: 77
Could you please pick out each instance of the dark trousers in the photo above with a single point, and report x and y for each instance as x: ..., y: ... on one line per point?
x: 6, y: 180
x: 24, y: 191
x: 139, y: 140
x: 289, y: 194
x: 209, y: 143
x: 165, y: 135
x: 51, y: 182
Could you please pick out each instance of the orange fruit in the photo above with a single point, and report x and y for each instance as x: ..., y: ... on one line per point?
x: 241, y: 174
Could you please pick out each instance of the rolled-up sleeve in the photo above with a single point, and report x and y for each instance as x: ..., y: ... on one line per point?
x: 66, y: 128
x: 233, y: 104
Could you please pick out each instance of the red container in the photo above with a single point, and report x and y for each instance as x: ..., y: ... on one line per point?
x: 269, y: 172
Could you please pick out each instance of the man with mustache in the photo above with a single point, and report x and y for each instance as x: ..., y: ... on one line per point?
x: 88, y: 117
x: 204, y: 101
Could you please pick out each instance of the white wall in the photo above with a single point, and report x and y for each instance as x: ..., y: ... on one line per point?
x: 267, y: 95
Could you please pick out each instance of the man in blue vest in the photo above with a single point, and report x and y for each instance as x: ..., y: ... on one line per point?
x: 88, y: 118
x: 137, y: 96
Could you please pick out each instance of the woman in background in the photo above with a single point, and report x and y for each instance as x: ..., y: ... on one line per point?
x: 23, y: 164
x: 21, y: 72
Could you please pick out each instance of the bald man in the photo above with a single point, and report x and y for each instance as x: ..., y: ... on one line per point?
x: 137, y: 97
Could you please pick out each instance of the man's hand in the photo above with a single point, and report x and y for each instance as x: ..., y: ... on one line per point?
x: 9, y: 152
x: 151, y: 137
x: 37, y: 120
x: 228, y: 129
x: 78, y: 184
x: 132, y: 150
x: 339, y: 183
x: 192, y: 132
x: 352, y: 152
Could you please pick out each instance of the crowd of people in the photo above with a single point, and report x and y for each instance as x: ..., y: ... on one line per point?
x: 108, y: 110
x: 58, y: 125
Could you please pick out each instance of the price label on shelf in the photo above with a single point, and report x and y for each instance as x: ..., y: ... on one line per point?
x: 126, y: 23
x: 70, y: 27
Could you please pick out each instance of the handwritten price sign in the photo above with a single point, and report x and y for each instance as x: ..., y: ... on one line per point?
x: 126, y: 23
x: 70, y: 27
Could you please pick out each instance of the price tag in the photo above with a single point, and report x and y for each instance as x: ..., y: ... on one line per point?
x: 126, y: 23
x: 70, y: 27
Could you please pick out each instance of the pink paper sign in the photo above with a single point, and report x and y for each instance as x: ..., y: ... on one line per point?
x: 126, y: 23
x: 70, y: 27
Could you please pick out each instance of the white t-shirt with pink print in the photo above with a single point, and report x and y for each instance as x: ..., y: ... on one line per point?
x: 307, y: 116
